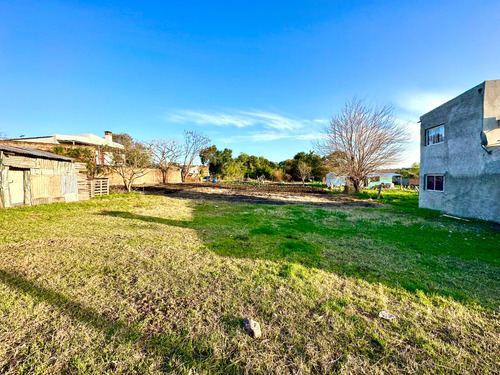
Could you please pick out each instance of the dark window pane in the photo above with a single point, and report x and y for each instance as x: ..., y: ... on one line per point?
x: 430, y: 182
x: 439, y: 184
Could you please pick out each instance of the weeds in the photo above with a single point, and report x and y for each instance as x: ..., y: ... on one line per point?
x: 149, y: 284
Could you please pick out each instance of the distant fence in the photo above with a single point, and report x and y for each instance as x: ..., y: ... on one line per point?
x: 410, y: 181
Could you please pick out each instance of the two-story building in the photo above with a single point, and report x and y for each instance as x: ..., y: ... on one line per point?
x: 460, y: 155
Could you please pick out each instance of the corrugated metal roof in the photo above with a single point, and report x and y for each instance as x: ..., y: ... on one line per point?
x: 33, y: 152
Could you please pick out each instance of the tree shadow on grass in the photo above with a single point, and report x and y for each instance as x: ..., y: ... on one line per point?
x: 147, y: 219
x: 411, y: 261
x: 173, y: 348
x: 66, y: 305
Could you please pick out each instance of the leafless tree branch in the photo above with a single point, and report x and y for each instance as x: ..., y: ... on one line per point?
x: 165, y: 154
x: 130, y: 163
x: 363, y: 139
x: 193, y: 143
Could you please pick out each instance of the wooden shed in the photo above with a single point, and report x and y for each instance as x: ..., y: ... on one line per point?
x: 29, y: 176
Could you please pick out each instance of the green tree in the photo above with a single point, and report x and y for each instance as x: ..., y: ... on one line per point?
x: 415, y: 170
x: 218, y: 161
x: 412, y: 172
x: 83, y: 154
x: 235, y: 170
x: 316, y: 163
x: 256, y: 166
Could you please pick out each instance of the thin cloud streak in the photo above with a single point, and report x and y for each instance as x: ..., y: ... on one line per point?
x: 217, y: 119
x: 269, y: 136
x: 241, y: 119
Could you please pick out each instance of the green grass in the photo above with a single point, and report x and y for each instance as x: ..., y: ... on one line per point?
x: 402, y: 199
x: 150, y: 284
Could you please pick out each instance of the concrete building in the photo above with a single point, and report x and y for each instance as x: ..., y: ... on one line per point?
x: 460, y: 155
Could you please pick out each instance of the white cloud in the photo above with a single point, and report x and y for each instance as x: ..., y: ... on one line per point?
x: 216, y: 118
x: 276, y: 121
x: 267, y: 136
x: 311, y: 136
x: 272, y: 126
x: 241, y: 119
x: 256, y: 137
x: 419, y: 103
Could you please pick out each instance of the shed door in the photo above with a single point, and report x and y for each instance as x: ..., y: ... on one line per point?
x: 16, y: 187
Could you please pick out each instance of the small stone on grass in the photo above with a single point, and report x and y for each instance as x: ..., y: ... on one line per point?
x: 252, y: 328
x: 386, y: 315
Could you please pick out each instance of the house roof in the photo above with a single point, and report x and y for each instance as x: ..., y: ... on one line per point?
x: 84, y: 139
x: 383, y: 174
x: 33, y: 152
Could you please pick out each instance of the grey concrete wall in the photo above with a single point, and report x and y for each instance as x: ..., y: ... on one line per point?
x: 472, y: 176
x: 491, y: 104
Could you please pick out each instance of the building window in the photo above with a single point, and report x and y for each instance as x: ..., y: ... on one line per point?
x: 434, y: 182
x: 434, y: 135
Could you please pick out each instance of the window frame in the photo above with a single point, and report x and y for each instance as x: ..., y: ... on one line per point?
x: 426, y: 139
x: 434, y: 175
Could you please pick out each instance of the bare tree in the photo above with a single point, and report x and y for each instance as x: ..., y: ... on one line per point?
x: 194, y: 143
x: 304, y: 171
x: 165, y: 154
x: 363, y: 139
x: 131, y: 162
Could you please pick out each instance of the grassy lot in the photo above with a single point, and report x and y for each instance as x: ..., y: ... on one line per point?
x: 149, y: 284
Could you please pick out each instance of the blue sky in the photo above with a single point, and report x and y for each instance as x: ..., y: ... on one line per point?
x: 259, y: 77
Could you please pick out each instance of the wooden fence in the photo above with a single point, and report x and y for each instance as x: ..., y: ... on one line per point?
x: 89, y: 188
x: 99, y: 186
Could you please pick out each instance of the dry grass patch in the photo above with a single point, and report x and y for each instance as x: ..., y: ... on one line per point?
x: 146, y: 284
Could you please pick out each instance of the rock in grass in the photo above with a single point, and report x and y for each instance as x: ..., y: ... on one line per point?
x: 386, y: 315
x: 252, y: 328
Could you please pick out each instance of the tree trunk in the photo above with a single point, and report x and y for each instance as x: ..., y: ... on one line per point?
x: 357, y: 186
x: 184, y: 174
x: 128, y: 186
x: 164, y: 176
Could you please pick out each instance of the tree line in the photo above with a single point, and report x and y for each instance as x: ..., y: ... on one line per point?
x: 357, y: 141
x: 167, y: 153
x: 302, y: 166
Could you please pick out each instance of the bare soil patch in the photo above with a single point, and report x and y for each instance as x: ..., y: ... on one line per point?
x: 260, y: 194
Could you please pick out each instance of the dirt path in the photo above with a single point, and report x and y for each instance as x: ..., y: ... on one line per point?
x: 263, y: 194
